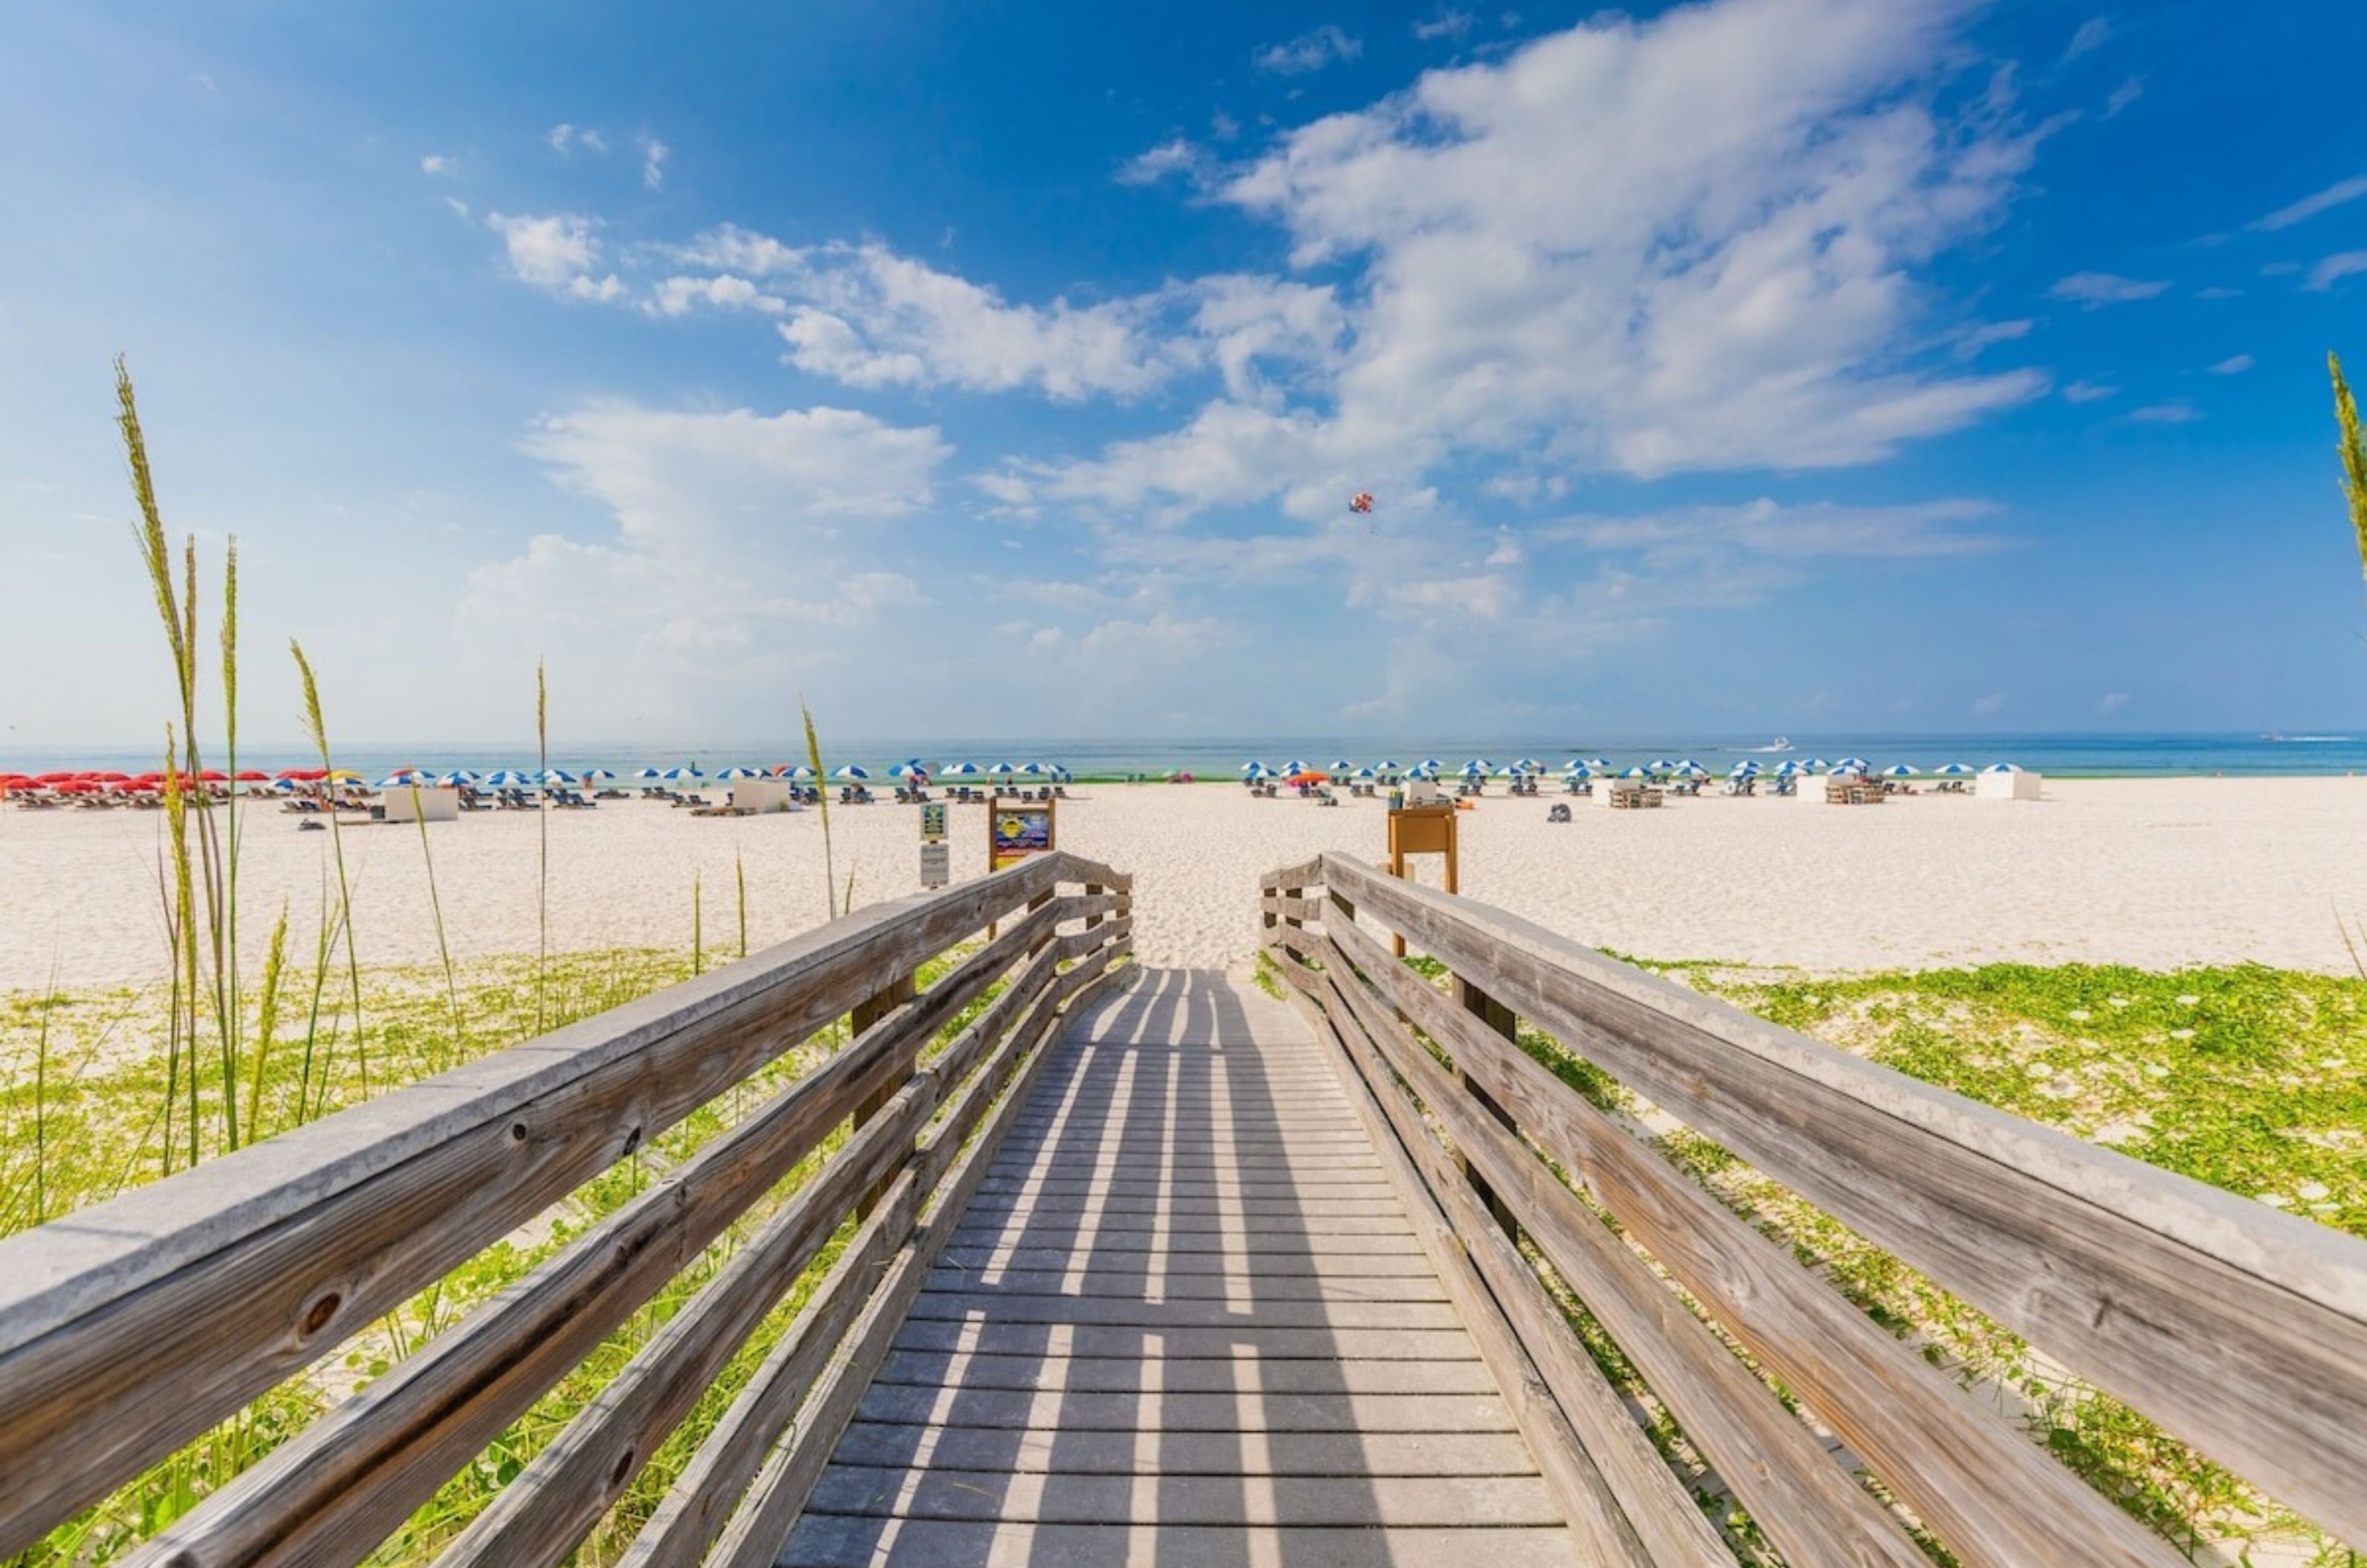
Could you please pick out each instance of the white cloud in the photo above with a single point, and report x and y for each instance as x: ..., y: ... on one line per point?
x: 2112, y: 702
x: 1174, y: 156
x: 2218, y: 292
x: 2088, y: 391
x: 2096, y: 290
x: 1970, y: 340
x: 874, y: 319
x: 1447, y: 24
x: 550, y: 252
x: 1309, y: 51
x: 2309, y: 207
x: 567, y: 139
x: 2122, y: 96
x: 677, y: 296
x: 2335, y: 268
x: 1992, y: 704
x: 436, y: 163
x: 2235, y: 365
x: 733, y: 249
x: 2089, y: 39
x: 653, y: 157
x: 2177, y: 412
x: 1767, y: 528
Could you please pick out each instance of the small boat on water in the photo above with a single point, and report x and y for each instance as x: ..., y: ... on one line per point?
x: 1781, y: 743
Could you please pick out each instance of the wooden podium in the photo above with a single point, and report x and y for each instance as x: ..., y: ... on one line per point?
x: 1422, y: 830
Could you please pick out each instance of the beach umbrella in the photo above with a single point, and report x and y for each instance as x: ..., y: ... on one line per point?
x: 1742, y: 770
x: 247, y: 775
x: 284, y: 785
x: 2001, y: 768
x: 1295, y: 765
x: 681, y: 775
x: 1430, y: 764
x: 1577, y: 770
x: 1849, y: 765
x: 855, y: 770
x: 1389, y: 765
x: 648, y: 774
x: 401, y: 781
x: 1476, y: 767
x: 1365, y: 773
x: 958, y: 770
x: 1035, y: 769
x: 599, y: 775
x: 1305, y: 777
x: 1253, y: 770
x: 1900, y: 771
x: 506, y: 778
x: 1954, y: 770
x: 74, y: 786
x: 904, y: 769
x: 1637, y: 773
x: 1788, y: 770
x: 1689, y: 766
x: 739, y: 772
x: 555, y: 776
x: 1529, y: 766
x: 456, y: 778
x: 1598, y: 763
x: 1341, y: 765
x: 1002, y: 770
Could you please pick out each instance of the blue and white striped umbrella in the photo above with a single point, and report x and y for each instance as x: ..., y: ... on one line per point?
x: 1849, y: 765
x: 1954, y: 770
x: 506, y: 778
x: 1529, y: 766
x: 802, y: 770
x: 1341, y: 765
x: 1033, y: 770
x: 1790, y: 770
x: 1689, y: 766
x: 856, y: 771
x: 1900, y: 770
x: 1254, y: 769
x: 1430, y: 764
x: 1002, y: 770
x: 1743, y: 770
x: 648, y: 774
x: 958, y: 770
x: 740, y: 771
x: 904, y: 769
x: 1389, y: 765
x: 1637, y: 773
x: 1367, y: 773
x: 1813, y: 765
x: 1597, y: 763
x: 457, y: 777
x: 599, y: 775
x: 680, y: 775
x: 1577, y: 770
x: 1295, y: 765
x: 402, y: 781
x: 1476, y: 767
x: 2001, y: 768
x: 554, y: 776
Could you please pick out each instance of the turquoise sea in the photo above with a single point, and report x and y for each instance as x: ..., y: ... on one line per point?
x: 2129, y: 755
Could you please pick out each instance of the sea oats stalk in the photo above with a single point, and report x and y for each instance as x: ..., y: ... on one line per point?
x: 435, y: 911
x: 181, y: 922
x: 698, y: 943
x: 2353, y: 449
x: 228, y: 1002
x: 266, y: 1021
x: 317, y: 729
x: 739, y: 878
x: 822, y: 794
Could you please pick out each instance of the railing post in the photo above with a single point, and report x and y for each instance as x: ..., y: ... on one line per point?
x: 1500, y: 1019
x: 868, y: 1011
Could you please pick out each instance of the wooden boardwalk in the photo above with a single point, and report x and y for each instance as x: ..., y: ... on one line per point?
x: 1183, y: 1322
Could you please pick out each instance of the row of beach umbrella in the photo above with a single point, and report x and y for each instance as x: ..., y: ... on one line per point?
x: 853, y: 773
x: 1592, y: 767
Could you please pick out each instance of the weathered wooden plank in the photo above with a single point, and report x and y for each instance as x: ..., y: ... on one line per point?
x: 1350, y: 1502
x: 543, y: 1514
x: 696, y: 1508
x: 1622, y: 1501
x: 834, y: 1540
x: 132, y: 1325
x: 1019, y: 1254
x: 1990, y: 1494
x: 1305, y: 874
x: 1140, y: 1283
x: 1156, y: 1411
x: 1049, y: 1450
x: 1290, y: 908
x: 1666, y: 1524
x: 1104, y: 1204
x: 755, y: 1534
x: 1211, y: 1375
x: 1808, y: 1505
x: 2242, y: 1330
x: 1103, y: 1339
x: 1267, y: 1248
x: 334, y: 1492
x: 1003, y: 1306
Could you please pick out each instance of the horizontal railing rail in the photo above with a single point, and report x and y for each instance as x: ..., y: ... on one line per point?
x: 131, y: 1327
x: 2240, y: 1330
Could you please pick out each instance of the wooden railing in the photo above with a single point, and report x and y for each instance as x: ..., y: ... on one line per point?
x: 131, y: 1327
x: 2240, y: 1330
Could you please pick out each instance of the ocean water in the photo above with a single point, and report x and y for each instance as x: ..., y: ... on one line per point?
x: 2058, y: 755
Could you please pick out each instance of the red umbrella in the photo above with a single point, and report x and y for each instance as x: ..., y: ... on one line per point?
x: 1296, y: 779
x: 305, y: 775
x: 250, y: 776
x: 144, y: 786
x: 211, y: 776
x: 55, y: 778
x: 74, y: 786
x: 108, y: 778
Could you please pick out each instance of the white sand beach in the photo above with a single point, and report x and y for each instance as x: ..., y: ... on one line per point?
x: 2154, y: 873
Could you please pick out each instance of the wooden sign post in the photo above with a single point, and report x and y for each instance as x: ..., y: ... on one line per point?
x: 1422, y: 830
x: 1016, y: 829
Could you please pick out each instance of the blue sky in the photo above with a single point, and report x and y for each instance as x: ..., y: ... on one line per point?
x: 981, y: 370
